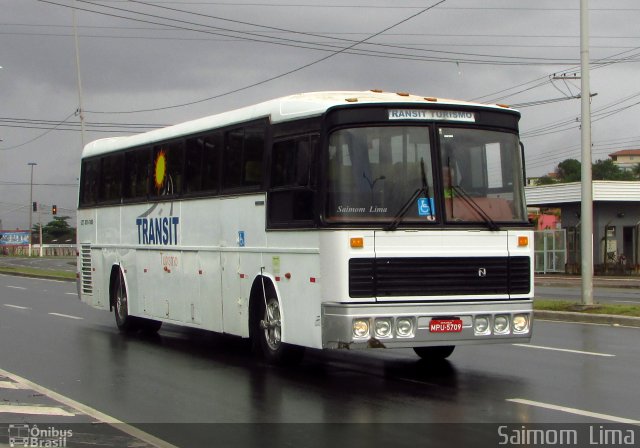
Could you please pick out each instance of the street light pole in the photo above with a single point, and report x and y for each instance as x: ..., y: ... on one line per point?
x: 31, y: 164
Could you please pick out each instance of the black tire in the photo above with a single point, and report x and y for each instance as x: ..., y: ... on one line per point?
x: 125, y: 322
x: 266, y: 334
x: 434, y: 353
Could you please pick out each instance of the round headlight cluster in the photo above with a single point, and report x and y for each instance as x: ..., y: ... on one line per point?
x: 501, y: 324
x: 404, y: 327
x: 382, y: 328
x: 481, y: 325
x: 520, y: 323
x: 361, y: 328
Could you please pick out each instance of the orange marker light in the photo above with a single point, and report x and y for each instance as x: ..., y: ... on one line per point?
x: 357, y: 243
x: 523, y: 241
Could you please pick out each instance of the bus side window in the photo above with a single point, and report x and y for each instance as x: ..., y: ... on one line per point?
x: 243, y: 158
x: 291, y: 163
x: 111, y: 178
x: 290, y: 199
x: 253, y: 155
x: 193, y: 165
x: 137, y: 174
x: 90, y: 177
x: 211, y: 162
x: 232, y: 159
x: 283, y: 164
x: 167, y: 169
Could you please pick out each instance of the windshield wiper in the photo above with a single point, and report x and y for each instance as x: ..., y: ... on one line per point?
x: 491, y: 224
x: 424, y: 188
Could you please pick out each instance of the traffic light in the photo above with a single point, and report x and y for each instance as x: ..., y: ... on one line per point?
x: 35, y: 206
x: 54, y: 209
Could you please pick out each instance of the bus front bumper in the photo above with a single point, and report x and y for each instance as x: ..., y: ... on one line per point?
x: 401, y: 325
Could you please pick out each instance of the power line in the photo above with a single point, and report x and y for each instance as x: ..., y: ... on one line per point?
x: 41, y: 135
x: 500, y: 59
x: 504, y: 61
x: 281, y: 75
x: 26, y: 123
x: 330, y: 34
x: 369, y: 6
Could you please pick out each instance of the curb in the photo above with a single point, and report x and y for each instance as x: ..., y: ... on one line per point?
x: 603, y: 319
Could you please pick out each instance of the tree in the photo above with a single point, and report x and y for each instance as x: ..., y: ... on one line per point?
x: 569, y: 171
x: 546, y: 180
x: 58, y: 229
x: 607, y: 170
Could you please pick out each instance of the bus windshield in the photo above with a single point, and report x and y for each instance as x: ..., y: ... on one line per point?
x: 386, y: 175
x: 481, y: 176
x: 374, y: 171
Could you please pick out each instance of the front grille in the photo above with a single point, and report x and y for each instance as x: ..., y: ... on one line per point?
x: 392, y: 277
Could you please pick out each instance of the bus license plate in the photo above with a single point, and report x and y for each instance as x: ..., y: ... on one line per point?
x: 445, y: 326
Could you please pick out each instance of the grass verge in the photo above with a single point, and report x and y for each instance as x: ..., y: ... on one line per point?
x: 34, y: 272
x: 598, y: 308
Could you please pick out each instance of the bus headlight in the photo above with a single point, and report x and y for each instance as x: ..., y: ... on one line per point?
x: 501, y: 324
x: 520, y: 323
x: 361, y: 328
x: 481, y: 325
x: 382, y: 328
x: 404, y: 327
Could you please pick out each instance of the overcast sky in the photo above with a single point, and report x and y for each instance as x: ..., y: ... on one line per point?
x: 158, y: 62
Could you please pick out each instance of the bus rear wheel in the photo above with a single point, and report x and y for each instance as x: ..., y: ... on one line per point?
x: 267, y: 333
x: 124, y: 321
x: 434, y: 353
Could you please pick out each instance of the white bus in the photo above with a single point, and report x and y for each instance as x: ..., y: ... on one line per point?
x: 329, y: 220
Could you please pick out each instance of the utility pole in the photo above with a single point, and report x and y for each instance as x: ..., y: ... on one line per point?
x: 586, y: 207
x: 32, y: 164
x: 80, y: 109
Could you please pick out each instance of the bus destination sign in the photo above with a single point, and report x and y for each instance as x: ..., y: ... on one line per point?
x: 436, y: 115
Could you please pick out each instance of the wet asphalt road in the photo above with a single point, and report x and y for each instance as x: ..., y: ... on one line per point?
x: 168, y: 383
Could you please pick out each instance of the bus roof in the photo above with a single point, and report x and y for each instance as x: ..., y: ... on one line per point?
x: 298, y: 106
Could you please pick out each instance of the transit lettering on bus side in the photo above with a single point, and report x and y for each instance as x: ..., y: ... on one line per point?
x: 160, y: 231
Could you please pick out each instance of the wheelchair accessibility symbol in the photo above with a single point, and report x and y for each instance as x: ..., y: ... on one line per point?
x: 425, y: 207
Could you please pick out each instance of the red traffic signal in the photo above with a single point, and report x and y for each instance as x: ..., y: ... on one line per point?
x: 54, y: 210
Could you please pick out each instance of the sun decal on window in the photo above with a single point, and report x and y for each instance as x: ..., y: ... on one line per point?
x: 160, y: 172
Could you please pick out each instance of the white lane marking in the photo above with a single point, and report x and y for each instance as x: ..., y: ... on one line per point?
x: 17, y: 306
x: 627, y: 301
x: 611, y: 418
x: 33, y: 410
x: 16, y: 287
x: 579, y: 352
x: 82, y: 408
x: 564, y: 322
x: 10, y: 385
x: 65, y: 315
x: 71, y: 293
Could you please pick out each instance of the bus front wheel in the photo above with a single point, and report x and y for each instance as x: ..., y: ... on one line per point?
x: 267, y: 334
x: 434, y: 353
